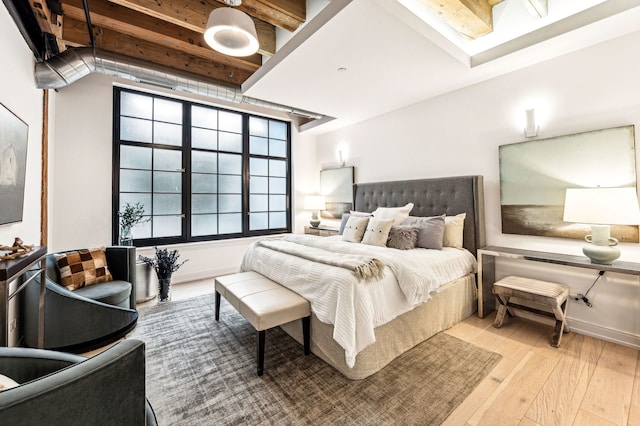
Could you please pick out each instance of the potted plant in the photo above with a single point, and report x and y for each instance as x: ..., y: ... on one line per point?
x: 165, y: 263
x: 132, y: 215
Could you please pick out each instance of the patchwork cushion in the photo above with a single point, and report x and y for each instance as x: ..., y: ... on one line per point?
x: 377, y: 232
x: 83, y: 267
x: 354, y: 229
x: 403, y: 237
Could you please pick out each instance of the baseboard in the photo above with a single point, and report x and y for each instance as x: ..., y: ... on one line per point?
x: 604, y: 333
x: 588, y: 329
x: 203, y: 275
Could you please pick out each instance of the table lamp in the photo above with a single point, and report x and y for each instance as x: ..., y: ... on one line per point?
x: 315, y: 203
x: 601, y: 207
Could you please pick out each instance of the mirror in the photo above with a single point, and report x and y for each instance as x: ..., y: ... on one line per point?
x: 337, y: 187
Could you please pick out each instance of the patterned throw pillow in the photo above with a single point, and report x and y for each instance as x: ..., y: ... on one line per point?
x: 83, y: 267
x: 354, y: 229
x: 377, y: 232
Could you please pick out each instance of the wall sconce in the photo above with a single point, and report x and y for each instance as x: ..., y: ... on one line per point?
x: 315, y: 203
x: 340, y: 158
x: 531, y: 129
x: 601, y: 207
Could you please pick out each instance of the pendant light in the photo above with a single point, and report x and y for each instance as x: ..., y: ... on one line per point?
x: 231, y: 31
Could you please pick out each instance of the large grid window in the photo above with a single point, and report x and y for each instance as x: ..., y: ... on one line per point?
x: 201, y: 173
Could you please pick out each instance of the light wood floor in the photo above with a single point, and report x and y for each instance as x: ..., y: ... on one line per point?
x: 584, y: 382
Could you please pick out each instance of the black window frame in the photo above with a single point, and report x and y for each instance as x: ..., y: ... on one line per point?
x: 186, y: 150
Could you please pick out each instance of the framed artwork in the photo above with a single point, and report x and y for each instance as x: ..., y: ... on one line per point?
x: 534, y: 176
x: 337, y: 187
x: 13, y: 165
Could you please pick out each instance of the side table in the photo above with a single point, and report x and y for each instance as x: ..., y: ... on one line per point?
x: 487, y: 275
x: 13, y: 269
x: 322, y: 232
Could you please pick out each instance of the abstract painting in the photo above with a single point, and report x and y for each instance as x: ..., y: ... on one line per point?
x: 13, y: 165
x: 534, y: 176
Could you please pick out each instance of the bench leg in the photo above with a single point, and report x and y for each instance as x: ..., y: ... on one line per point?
x: 502, y: 310
x: 217, y: 306
x: 306, y: 335
x: 260, y: 336
x: 561, y: 317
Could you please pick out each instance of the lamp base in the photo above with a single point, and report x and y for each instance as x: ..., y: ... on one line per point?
x: 315, y: 220
x: 602, y: 249
x: 604, y: 255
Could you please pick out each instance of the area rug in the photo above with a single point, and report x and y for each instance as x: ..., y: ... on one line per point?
x: 203, y: 372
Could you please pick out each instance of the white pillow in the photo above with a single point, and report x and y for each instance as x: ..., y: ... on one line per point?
x: 7, y: 383
x: 398, y: 214
x: 454, y: 230
x: 377, y: 232
x: 354, y: 229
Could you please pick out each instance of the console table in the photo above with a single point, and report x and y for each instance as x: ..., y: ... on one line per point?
x: 487, y: 276
x: 11, y: 270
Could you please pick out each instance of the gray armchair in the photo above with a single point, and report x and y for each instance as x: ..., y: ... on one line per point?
x: 63, y: 389
x: 86, y: 318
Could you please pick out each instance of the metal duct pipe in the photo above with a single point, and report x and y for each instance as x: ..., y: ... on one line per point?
x: 73, y: 64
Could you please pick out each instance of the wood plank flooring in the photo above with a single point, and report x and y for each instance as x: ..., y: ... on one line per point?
x: 584, y: 382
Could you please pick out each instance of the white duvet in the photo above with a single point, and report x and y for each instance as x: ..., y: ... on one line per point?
x: 354, y: 307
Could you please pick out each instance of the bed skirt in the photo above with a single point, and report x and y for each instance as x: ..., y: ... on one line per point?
x: 454, y: 302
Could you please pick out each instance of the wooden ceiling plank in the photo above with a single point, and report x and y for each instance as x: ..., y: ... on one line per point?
x: 194, y: 16
x: 471, y: 18
x: 127, y: 21
x: 47, y: 21
x: 285, y: 14
x: 75, y: 32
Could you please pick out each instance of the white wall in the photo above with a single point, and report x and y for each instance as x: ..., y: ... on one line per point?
x: 81, y: 184
x: 459, y: 134
x: 18, y: 94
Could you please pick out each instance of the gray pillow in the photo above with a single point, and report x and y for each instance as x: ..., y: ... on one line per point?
x: 431, y: 232
x: 345, y: 218
x: 403, y: 237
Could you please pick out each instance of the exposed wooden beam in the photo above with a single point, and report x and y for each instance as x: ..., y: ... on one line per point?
x: 75, y: 32
x: 194, y: 16
x: 471, y: 18
x: 47, y: 21
x: 285, y: 14
x: 130, y: 22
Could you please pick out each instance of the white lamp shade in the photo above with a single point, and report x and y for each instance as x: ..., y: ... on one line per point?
x: 602, y: 206
x: 314, y: 202
x: 232, y: 32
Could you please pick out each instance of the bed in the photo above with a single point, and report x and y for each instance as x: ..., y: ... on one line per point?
x: 387, y: 338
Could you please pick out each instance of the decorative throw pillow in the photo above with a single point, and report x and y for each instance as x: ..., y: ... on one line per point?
x: 360, y: 214
x: 7, y: 383
x: 454, y: 230
x: 377, y: 232
x: 398, y: 214
x: 83, y: 267
x: 403, y: 237
x: 431, y: 234
x: 354, y: 229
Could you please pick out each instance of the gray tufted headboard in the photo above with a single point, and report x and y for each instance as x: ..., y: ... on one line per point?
x: 431, y: 197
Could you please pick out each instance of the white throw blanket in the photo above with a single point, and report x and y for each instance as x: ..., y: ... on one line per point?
x: 355, y: 307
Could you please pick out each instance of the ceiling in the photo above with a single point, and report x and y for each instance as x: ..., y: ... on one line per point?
x: 348, y: 60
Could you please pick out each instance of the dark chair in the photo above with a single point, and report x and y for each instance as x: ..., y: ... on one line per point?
x: 87, y: 318
x: 63, y: 389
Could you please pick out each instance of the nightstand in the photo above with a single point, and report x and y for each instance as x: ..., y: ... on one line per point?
x: 322, y: 232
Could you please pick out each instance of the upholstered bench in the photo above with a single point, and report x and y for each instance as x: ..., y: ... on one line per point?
x: 550, y: 295
x: 265, y: 304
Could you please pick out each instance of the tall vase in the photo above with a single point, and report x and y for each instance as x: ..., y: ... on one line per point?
x: 126, y: 237
x: 164, y: 290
